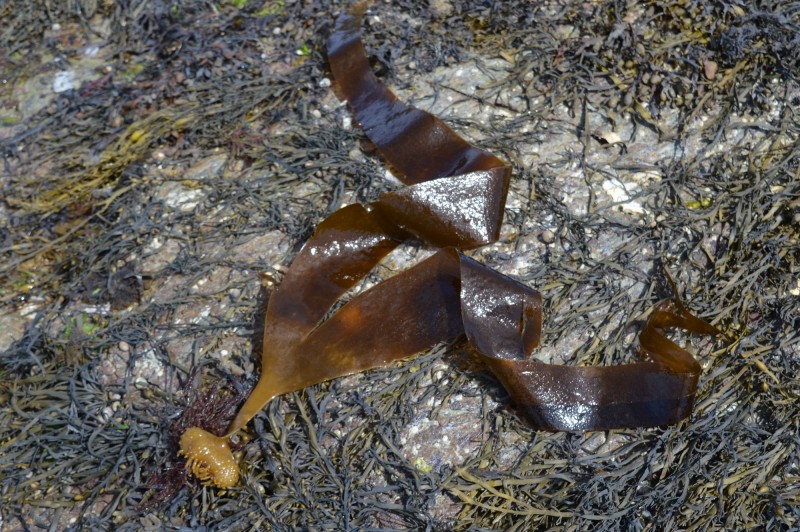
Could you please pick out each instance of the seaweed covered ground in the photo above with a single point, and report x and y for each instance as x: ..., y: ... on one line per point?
x: 163, y: 161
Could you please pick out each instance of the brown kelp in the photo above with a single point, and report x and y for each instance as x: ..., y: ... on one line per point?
x: 454, y: 200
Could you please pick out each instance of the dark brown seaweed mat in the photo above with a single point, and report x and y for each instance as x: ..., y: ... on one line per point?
x: 106, y: 326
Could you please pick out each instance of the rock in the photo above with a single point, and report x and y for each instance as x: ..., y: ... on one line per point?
x: 207, y: 168
x: 12, y: 327
x: 64, y: 81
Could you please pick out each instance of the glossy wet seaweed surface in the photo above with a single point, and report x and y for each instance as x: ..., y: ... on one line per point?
x: 142, y: 205
x: 456, y: 198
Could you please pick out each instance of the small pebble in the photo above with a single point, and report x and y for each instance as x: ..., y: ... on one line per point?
x: 123, y: 346
x: 547, y: 236
x: 710, y: 69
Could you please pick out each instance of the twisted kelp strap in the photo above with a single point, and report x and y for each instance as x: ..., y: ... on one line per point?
x: 446, y: 295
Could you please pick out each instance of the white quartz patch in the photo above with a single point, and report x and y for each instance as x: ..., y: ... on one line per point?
x: 621, y: 193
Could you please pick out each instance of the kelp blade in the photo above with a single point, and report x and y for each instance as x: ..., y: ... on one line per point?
x: 455, y: 197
